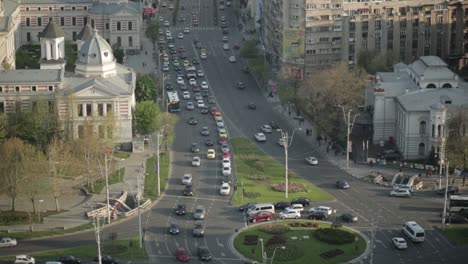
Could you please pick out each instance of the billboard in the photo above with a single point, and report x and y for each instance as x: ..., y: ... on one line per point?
x: 293, y: 46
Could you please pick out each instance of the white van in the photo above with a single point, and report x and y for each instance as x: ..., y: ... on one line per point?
x: 265, y: 207
x: 414, y: 231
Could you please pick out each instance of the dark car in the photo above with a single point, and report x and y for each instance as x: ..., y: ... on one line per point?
x: 236, y: 46
x: 274, y: 125
x: 183, y: 56
x: 317, y: 216
x: 177, y: 69
x: 181, y: 209
x: 196, y: 89
x: 192, y: 121
x: 195, y: 62
x: 342, y: 184
x: 188, y: 190
x: 204, y: 254
x: 450, y: 190
x: 204, y: 111
x: 245, y: 69
x: 349, y: 218
x: 69, y: 260
x: 106, y: 259
x: 169, y: 86
x: 211, y: 100
x: 226, y: 179
x: 174, y: 229
x: 225, y: 31
x: 195, y: 148
x: 205, y: 94
x: 240, y: 85
x: 252, y: 106
x: 281, y: 205
x: 302, y: 200
x: 389, y: 154
x: 244, y: 207
x: 456, y: 219
x: 209, y: 142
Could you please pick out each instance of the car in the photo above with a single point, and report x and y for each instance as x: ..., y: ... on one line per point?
x: 281, y: 205
x: 226, y: 46
x: 24, y: 259
x: 317, y: 216
x: 205, y: 131
x: 456, y: 219
x: 281, y: 142
x: 181, y: 209
x: 196, y: 161
x: 399, y: 243
x: 190, y: 106
x: 226, y: 171
x: 180, y: 35
x: 193, y: 82
x: 206, y: 94
x: 195, y: 89
x: 107, y: 259
x: 260, y: 216
x: 198, y: 96
x: 186, y: 95
x: 290, y: 214
x: 170, y: 45
x: 274, y: 125
x: 183, y: 56
x: 224, y: 148
x: 311, y: 160
x: 240, y: 85
x: 209, y: 142
x: 326, y: 209
x: 181, y: 255
x: 236, y: 46
x: 200, y: 104
x: 204, y: 85
x: 400, y: 193
x: 252, y: 106
x: 200, y: 46
x: 232, y: 59
x: 349, y: 218
x: 174, y: 228
x: 181, y: 50
x: 266, y: 129
x: 225, y: 39
x: 195, y: 62
x: 226, y: 163
x: 188, y: 190
x: 165, y: 69
x: 8, y: 242
x: 389, y: 154
x: 225, y: 31
x: 295, y: 207
x: 244, y: 207
x: 192, y: 121
x: 198, y: 229
x: 225, y: 189
x: 166, y: 23
x: 403, y: 187
x: 245, y: 69
x: 186, y: 30
x: 451, y: 190
x: 171, y: 7
x: 187, y: 179
x: 226, y: 179
x: 223, y: 140
x: 204, y: 254
x: 178, y: 69
x: 342, y: 184
x: 204, y: 110
x: 260, y: 137
x: 176, y: 64
x: 211, y: 154
x: 199, y: 213
x: 200, y: 73
x: 220, y: 124
x: 180, y: 80
x: 226, y: 155
x: 186, y: 63
x: 69, y: 260
x: 302, y: 200
x: 222, y: 134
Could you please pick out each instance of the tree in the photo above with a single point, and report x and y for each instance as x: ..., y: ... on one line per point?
x: 71, y: 52
x: 257, y: 67
x: 145, y: 89
x: 374, y: 62
x: 36, y: 173
x: 457, y: 142
x: 118, y: 52
x: 249, y: 49
x: 3, y: 126
x: 152, y: 31
x: 147, y: 116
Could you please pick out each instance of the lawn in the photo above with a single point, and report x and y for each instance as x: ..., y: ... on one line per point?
x: 151, y: 178
x: 457, y: 234
x: 257, y: 172
x: 310, y: 248
x: 26, y: 235
x: 121, y: 154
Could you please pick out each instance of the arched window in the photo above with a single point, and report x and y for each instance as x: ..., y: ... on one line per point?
x: 421, y: 149
x: 431, y: 86
x: 447, y: 85
x: 422, y: 127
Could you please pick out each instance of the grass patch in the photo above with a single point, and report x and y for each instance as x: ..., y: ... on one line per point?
x: 26, y: 235
x: 457, y: 234
x: 99, y: 185
x: 298, y: 251
x: 151, y: 178
x: 122, y: 155
x: 247, y: 155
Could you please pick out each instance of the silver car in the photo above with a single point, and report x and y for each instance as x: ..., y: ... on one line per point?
x: 199, y: 229
x: 199, y: 213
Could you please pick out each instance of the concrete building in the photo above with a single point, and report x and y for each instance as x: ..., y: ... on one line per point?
x: 413, y: 106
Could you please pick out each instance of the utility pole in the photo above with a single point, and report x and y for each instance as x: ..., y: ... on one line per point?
x: 97, y: 230
x: 157, y: 164
x: 444, y: 215
x: 138, y: 201
x: 349, y: 128
x: 106, y: 173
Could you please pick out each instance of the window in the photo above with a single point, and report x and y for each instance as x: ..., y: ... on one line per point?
x: 27, y: 8
x: 85, y: 20
x: 28, y: 22
x: 1, y: 89
x: 50, y: 8
x: 62, y: 21
x: 422, y: 127
x: 119, y: 41
x: 2, y: 107
x: 28, y: 36
x: 118, y: 25
x: 33, y: 88
x: 62, y: 8
x: 421, y: 149
x: 51, y: 88
x: 130, y: 25
x: 38, y: 9
x: 80, y: 109
x: 109, y: 108
x: 89, y: 109
x: 73, y: 21
x: 107, y: 25
x: 74, y: 35
x: 85, y: 8
x: 17, y: 88
x: 130, y: 41
x: 39, y: 21
x: 92, y: 23
x: 433, y: 131
x: 73, y: 8
x: 100, y: 110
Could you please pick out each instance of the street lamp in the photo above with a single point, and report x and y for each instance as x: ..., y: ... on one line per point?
x: 136, y: 199
x: 286, y: 144
x: 164, y: 92
x: 263, y: 253
x: 446, y: 193
x: 158, y: 142
x: 274, y: 252
x: 97, y: 231
x: 39, y: 207
x: 349, y: 127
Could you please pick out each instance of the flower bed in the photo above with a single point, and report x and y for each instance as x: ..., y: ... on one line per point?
x: 292, y: 187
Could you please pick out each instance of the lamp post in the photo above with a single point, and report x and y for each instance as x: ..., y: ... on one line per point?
x: 263, y: 253
x: 163, y: 103
x: 39, y: 207
x: 349, y: 128
x: 97, y: 231
x: 274, y: 252
x: 136, y: 199
x: 286, y: 144
x: 444, y: 214
x: 158, y: 142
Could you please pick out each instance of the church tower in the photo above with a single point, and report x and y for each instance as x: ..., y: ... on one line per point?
x: 52, y: 47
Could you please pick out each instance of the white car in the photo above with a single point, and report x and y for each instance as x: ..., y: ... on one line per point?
x: 180, y: 80
x: 193, y: 82
x: 220, y: 124
x: 186, y: 95
x: 400, y: 193
x: 204, y: 85
x: 186, y: 30
x: 225, y: 148
x: 24, y: 259
x: 225, y: 46
x: 324, y: 209
x: 225, y: 39
x: 8, y: 242
x: 232, y: 59
x: 226, y: 171
x: 200, y: 73
x: 311, y: 160
x: 290, y: 214
x: 260, y: 137
x: 176, y: 63
x: 296, y: 207
x: 200, y: 104
x: 170, y: 45
x: 187, y: 179
x: 211, y: 154
x: 399, y: 243
x: 190, y: 106
x: 225, y: 189
x: 166, y: 23
x: 165, y: 68
x: 280, y: 142
x: 226, y: 163
x: 266, y: 129
x: 180, y: 35
x: 196, y: 161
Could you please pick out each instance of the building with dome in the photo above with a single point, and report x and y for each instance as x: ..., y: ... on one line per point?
x: 100, y: 92
x: 413, y: 106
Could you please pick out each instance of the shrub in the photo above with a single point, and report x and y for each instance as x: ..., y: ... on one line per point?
x: 292, y: 187
x: 259, y: 165
x: 250, y: 240
x: 252, y: 194
x: 295, y: 224
x: 258, y: 177
x: 310, y: 224
x: 334, y: 236
x: 276, y: 240
x: 274, y: 229
x: 291, y: 252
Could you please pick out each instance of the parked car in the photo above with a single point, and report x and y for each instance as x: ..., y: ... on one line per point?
x: 260, y: 137
x: 274, y: 125
x: 198, y: 229
x: 226, y: 179
x: 399, y: 243
x: 24, y: 259
x: 181, y: 255
x: 317, y: 216
x: 390, y: 154
x: 174, y: 228
x: 295, y: 207
x: 281, y: 205
x: 195, y: 148
x: 199, y: 213
x: 342, y: 184
x: 187, y: 179
x: 252, y: 106
x: 188, y: 190
x: 302, y: 200
x: 400, y: 193
x: 69, y: 260
x: 456, y: 219
x: 211, y: 154
x: 244, y: 207
x: 225, y: 189
x: 451, y: 190
x: 205, y: 131
x: 327, y: 210
x: 181, y: 209
x: 260, y: 216
x: 192, y: 121
x: 290, y: 214
x: 226, y: 171
x: 204, y: 254
x: 266, y: 129
x: 240, y: 85
x: 349, y: 218
x: 8, y: 242
x: 107, y: 259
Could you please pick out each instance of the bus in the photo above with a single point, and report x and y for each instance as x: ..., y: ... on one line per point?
x: 458, y: 203
x: 173, y: 103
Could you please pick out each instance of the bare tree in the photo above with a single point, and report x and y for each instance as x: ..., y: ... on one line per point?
x: 36, y: 182
x: 457, y: 143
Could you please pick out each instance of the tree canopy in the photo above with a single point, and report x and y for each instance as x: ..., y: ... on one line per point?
x: 249, y: 49
x: 145, y: 89
x: 152, y: 31
x: 147, y: 118
x: 457, y: 143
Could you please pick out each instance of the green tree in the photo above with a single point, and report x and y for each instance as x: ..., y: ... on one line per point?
x: 147, y: 118
x: 36, y: 182
x: 145, y: 89
x: 249, y: 49
x: 118, y: 52
x: 70, y: 52
x: 152, y: 31
x: 373, y: 62
x: 257, y: 67
x: 457, y: 143
x: 24, y: 60
x: 3, y: 126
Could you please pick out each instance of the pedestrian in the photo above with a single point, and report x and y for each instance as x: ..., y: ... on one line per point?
x: 371, y: 163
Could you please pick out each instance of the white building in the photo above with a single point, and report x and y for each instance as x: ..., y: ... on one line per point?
x: 413, y: 104
x: 98, y: 87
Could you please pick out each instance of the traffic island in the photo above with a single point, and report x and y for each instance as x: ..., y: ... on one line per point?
x: 299, y: 241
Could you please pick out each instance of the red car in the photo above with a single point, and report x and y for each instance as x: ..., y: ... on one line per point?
x: 226, y: 155
x: 181, y: 255
x: 236, y: 46
x: 222, y: 140
x: 260, y: 216
x: 181, y: 49
x: 213, y: 110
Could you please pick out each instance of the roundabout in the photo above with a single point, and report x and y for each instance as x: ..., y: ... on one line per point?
x: 299, y: 241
